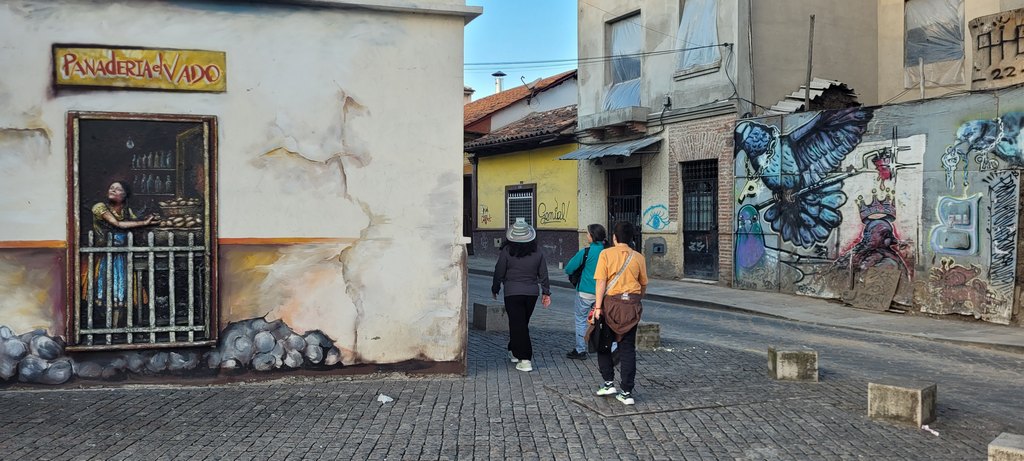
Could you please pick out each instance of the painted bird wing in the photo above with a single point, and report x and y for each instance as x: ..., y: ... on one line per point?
x: 821, y: 144
x: 810, y: 219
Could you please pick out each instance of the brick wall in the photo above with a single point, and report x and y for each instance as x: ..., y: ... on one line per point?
x: 704, y: 139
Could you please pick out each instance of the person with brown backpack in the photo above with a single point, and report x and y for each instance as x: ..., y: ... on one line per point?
x: 618, y: 307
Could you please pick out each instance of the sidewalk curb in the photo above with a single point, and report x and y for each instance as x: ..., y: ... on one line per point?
x: 711, y: 305
x: 662, y: 298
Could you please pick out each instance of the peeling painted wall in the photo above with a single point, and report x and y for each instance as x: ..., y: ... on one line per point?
x: 319, y: 121
x: 914, y: 205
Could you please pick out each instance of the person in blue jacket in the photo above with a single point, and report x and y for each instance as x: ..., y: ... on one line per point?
x: 597, y: 238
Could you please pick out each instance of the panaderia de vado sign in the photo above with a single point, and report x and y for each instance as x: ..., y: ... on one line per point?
x: 143, y: 68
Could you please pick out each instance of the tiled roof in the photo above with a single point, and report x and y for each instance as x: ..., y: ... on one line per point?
x: 555, y: 121
x: 483, y: 107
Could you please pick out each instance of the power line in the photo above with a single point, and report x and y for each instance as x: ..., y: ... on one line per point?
x: 596, y: 59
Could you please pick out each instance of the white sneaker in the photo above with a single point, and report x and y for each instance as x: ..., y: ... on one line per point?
x: 512, y: 358
x: 608, y: 388
x: 524, y: 365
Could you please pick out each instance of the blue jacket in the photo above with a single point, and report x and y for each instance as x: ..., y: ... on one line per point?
x: 587, y: 284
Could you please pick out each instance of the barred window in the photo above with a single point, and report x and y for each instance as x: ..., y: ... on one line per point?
x: 519, y: 204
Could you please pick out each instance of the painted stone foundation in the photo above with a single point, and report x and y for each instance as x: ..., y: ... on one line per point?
x: 249, y: 345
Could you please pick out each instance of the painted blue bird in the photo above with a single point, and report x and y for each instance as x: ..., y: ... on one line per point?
x: 798, y: 168
x: 1002, y: 136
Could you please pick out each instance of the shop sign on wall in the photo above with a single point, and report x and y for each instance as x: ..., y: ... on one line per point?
x: 999, y: 49
x: 158, y: 69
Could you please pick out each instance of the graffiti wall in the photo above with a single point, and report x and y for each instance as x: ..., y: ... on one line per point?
x: 913, y: 206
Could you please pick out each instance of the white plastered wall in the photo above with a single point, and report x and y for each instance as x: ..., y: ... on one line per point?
x: 394, y: 294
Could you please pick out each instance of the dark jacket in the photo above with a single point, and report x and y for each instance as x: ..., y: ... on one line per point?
x: 521, y: 275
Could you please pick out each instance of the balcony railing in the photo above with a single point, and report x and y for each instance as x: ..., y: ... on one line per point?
x: 143, y: 295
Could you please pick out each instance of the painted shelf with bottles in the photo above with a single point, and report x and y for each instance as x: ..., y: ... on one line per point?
x: 156, y: 174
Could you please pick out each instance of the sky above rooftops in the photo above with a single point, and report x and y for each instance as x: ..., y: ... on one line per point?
x: 515, y: 31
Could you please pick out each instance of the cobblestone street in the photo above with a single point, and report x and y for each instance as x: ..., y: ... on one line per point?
x: 704, y: 395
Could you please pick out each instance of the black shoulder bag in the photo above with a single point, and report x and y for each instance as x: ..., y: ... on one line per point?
x: 577, y: 275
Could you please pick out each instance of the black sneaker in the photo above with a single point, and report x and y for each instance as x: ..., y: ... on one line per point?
x: 576, y: 355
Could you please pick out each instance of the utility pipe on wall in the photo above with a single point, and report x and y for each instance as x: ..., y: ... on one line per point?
x: 810, y: 55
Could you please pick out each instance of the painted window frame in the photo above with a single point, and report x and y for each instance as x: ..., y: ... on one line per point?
x: 532, y: 188
x: 74, y: 201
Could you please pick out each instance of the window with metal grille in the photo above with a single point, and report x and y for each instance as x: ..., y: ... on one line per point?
x: 519, y: 204
x: 699, y: 195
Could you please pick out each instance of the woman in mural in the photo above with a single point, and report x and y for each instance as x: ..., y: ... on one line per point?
x: 111, y: 221
x: 520, y: 269
x: 621, y: 279
x: 585, y: 259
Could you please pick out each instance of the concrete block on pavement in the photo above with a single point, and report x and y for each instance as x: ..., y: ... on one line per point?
x: 905, y: 402
x: 793, y: 364
x: 648, y: 336
x: 1006, y: 447
x: 490, y: 317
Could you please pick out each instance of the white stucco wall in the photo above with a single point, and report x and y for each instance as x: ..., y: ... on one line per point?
x: 559, y: 96
x: 359, y: 100
x: 845, y: 48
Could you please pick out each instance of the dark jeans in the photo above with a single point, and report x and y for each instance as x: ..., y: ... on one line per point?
x: 627, y: 362
x: 519, y: 309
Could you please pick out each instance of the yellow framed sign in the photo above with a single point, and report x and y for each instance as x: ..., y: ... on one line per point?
x: 142, y: 68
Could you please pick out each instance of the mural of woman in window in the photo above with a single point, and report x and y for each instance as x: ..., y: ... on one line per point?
x: 111, y: 221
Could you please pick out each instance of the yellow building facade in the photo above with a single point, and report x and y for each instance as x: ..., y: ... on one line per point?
x: 534, y: 176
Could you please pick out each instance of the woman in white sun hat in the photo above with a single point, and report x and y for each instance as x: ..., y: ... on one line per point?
x: 521, y: 268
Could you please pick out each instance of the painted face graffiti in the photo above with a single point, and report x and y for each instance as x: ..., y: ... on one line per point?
x: 879, y: 243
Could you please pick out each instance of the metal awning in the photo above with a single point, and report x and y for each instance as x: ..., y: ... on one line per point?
x: 623, y: 149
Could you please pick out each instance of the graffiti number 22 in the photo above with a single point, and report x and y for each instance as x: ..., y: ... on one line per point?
x: 1007, y: 72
